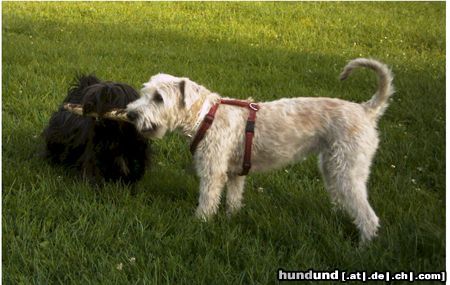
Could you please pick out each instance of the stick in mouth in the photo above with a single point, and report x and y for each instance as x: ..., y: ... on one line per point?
x: 115, y: 114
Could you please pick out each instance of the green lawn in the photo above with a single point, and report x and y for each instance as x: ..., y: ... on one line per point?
x: 58, y: 229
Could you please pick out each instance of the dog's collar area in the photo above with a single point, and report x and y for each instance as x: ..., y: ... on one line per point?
x: 249, y: 129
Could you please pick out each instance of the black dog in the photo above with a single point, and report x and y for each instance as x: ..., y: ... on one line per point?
x: 103, y: 150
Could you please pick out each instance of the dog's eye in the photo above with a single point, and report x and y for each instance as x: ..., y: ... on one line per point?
x: 158, y: 98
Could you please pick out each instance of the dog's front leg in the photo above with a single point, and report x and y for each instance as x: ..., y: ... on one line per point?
x: 90, y: 171
x: 211, y: 187
x: 235, y: 189
x: 213, y: 177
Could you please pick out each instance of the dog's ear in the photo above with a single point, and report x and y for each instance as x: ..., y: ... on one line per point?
x: 190, y: 93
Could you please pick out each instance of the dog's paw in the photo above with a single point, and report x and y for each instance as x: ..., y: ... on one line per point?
x: 233, y: 209
x: 201, y: 215
x: 231, y: 213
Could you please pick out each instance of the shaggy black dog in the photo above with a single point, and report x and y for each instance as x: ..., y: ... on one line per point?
x: 101, y: 149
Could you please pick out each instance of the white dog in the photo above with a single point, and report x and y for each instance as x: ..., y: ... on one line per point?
x: 342, y: 133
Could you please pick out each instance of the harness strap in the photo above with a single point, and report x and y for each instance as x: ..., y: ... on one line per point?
x: 249, y: 129
x: 206, y: 124
x: 249, y: 134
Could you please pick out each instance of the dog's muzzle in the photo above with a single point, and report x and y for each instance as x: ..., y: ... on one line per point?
x: 149, y: 129
x: 146, y: 129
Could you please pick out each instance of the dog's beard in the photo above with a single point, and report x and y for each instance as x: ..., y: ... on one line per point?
x: 147, y: 123
x: 154, y: 132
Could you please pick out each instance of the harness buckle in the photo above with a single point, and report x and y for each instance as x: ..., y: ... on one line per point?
x: 250, y: 127
x: 253, y: 106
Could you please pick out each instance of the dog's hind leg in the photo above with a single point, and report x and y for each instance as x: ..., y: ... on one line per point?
x: 235, y: 190
x: 346, y: 173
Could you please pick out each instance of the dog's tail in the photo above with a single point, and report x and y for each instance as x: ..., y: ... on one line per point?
x: 379, y: 102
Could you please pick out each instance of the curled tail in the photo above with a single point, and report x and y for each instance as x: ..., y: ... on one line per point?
x: 379, y: 102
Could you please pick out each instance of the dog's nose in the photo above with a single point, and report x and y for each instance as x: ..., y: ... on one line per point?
x: 132, y: 116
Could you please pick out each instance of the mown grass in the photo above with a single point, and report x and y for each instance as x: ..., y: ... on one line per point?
x: 58, y: 229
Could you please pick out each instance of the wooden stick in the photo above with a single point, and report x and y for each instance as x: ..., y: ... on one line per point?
x: 115, y: 114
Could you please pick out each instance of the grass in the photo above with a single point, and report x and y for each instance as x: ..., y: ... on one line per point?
x: 58, y: 229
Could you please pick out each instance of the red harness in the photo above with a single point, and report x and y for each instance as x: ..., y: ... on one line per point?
x: 249, y: 129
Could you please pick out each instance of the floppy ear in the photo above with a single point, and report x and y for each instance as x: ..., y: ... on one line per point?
x: 189, y: 93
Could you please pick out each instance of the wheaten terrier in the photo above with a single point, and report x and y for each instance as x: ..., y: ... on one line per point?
x: 342, y: 133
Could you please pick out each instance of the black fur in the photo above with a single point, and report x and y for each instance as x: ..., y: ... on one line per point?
x: 101, y: 149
